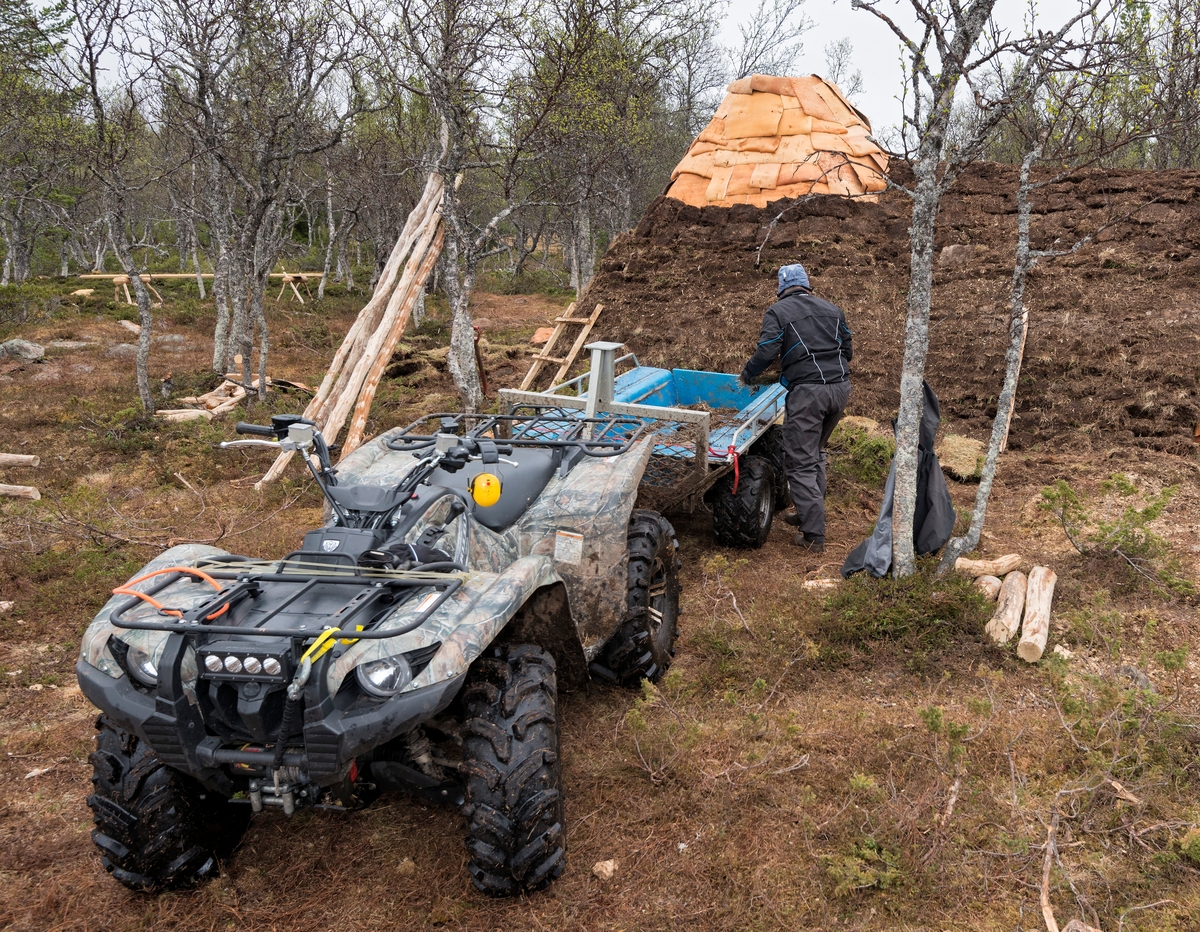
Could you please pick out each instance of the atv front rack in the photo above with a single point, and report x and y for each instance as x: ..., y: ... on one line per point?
x: 373, y: 587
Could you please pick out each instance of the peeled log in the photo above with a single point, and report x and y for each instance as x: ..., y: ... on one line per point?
x: 1007, y: 620
x: 19, y: 459
x: 1036, y: 628
x: 990, y: 586
x: 20, y: 491
x: 999, y: 567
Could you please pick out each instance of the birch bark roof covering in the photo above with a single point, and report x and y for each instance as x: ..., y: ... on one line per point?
x: 778, y: 138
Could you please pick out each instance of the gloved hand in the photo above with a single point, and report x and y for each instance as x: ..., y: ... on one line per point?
x: 746, y: 379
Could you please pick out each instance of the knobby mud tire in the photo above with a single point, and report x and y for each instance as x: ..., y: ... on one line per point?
x: 644, y: 645
x: 516, y: 832
x: 156, y: 828
x: 743, y: 519
x: 770, y: 447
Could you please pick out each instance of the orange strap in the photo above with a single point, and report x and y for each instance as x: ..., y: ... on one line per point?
x: 125, y: 590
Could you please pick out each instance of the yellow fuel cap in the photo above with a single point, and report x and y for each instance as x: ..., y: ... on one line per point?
x: 485, y: 489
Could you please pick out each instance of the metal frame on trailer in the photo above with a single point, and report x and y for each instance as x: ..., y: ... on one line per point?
x: 598, y: 399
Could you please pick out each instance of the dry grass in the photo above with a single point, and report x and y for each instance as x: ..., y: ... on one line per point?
x: 778, y: 778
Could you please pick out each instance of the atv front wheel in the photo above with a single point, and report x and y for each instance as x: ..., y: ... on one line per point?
x: 742, y: 518
x: 514, y: 800
x: 156, y: 829
x: 645, y: 643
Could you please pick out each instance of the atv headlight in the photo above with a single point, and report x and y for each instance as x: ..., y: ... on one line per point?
x: 141, y: 665
x: 384, y: 678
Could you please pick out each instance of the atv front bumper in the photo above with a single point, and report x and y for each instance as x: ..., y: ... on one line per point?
x: 174, y: 728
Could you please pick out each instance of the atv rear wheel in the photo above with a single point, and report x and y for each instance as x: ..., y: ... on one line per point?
x: 156, y: 829
x: 514, y: 800
x: 770, y: 447
x: 742, y: 518
x: 643, y: 646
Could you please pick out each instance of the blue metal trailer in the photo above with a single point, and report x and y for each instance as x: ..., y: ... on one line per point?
x: 717, y: 443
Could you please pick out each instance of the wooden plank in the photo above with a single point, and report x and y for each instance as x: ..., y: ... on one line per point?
x: 571, y: 320
x: 578, y: 345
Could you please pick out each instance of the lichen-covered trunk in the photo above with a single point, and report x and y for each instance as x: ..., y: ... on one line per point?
x: 585, y: 247
x: 1018, y: 325
x: 461, y: 361
x: 221, y: 299
x: 912, y: 373
x: 124, y: 250
x: 331, y: 245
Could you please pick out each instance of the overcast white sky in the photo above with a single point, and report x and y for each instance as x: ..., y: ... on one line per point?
x: 876, y: 49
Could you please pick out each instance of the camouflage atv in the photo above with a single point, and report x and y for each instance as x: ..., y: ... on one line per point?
x: 416, y: 641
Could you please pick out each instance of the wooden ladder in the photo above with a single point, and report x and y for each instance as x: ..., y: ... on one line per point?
x: 565, y: 362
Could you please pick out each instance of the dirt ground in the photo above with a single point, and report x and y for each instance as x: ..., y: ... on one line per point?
x: 774, y: 779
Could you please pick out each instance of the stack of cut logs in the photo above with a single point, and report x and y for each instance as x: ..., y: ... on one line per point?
x: 354, y: 374
x: 1013, y: 591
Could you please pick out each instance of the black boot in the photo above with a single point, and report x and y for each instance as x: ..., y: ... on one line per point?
x: 809, y: 543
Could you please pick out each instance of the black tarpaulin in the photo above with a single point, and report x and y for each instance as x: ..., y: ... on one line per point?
x: 934, y: 518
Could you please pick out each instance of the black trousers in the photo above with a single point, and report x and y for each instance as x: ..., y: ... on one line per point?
x: 813, y: 411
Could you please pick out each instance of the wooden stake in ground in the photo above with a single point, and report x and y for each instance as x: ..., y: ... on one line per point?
x: 1007, y: 620
x: 1036, y: 628
x: 19, y: 459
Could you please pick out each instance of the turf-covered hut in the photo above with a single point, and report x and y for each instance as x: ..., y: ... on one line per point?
x: 777, y: 138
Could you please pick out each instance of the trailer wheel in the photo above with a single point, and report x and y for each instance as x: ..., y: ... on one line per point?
x: 770, y: 447
x: 643, y: 646
x: 514, y: 800
x: 743, y: 518
x: 156, y: 829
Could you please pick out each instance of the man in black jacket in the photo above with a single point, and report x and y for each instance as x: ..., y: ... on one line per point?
x: 812, y: 341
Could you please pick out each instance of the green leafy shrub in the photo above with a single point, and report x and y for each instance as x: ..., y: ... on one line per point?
x: 921, y: 611
x: 866, y: 865
x: 1117, y: 531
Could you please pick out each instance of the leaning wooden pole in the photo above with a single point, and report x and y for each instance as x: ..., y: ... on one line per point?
x: 354, y: 372
x: 366, y: 395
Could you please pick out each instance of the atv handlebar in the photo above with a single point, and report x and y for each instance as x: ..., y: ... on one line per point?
x: 243, y: 428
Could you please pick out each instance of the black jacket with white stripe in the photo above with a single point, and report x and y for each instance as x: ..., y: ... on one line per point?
x: 810, y: 337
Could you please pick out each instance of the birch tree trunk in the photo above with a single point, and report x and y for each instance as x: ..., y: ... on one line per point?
x: 6, y: 273
x: 221, y: 299
x: 585, y: 249
x: 124, y: 251
x: 916, y: 347
x: 461, y: 360
x: 196, y: 266
x: 1005, y: 404
x: 334, y: 231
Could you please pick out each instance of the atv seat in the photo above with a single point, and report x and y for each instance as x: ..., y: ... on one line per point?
x: 520, y: 485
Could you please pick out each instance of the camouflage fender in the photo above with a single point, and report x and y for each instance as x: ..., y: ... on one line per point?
x: 582, y: 523
x: 184, y: 594
x: 465, y: 625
